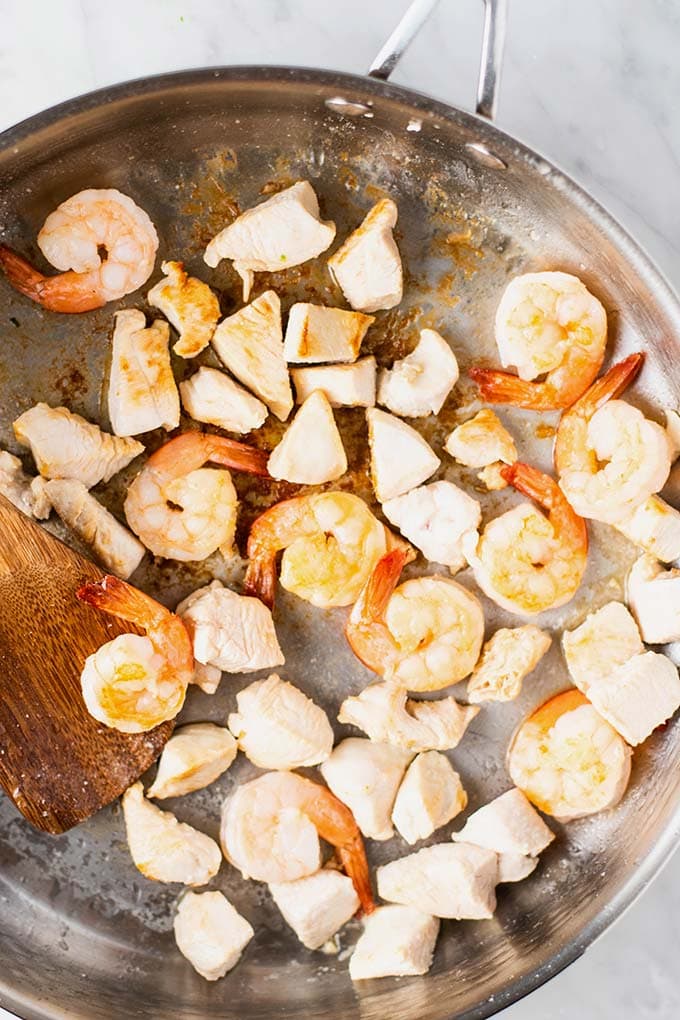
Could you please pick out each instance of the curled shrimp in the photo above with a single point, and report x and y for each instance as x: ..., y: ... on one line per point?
x: 526, y: 561
x: 103, y: 241
x: 135, y: 682
x: 182, y: 510
x: 568, y: 760
x: 271, y: 826
x: 423, y: 635
x: 609, y: 457
x: 546, y: 323
x: 331, y: 542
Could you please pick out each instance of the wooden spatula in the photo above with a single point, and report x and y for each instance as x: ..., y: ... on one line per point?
x: 57, y: 763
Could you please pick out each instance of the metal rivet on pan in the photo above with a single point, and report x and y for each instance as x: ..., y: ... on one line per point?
x: 485, y: 156
x: 340, y: 105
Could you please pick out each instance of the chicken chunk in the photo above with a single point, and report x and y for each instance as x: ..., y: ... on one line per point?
x: 366, y: 777
x: 367, y: 266
x: 606, y: 639
x: 194, y: 757
x: 316, y: 906
x: 142, y: 390
x: 250, y: 344
x: 492, y: 477
x: 515, y: 867
x: 673, y: 430
x: 388, y: 716
x: 311, y: 451
x: 434, y: 518
x: 654, y: 598
x: 507, y: 658
x: 638, y: 695
x: 400, y: 457
x: 420, y: 383
x: 481, y: 441
x: 315, y: 333
x: 234, y: 633
x: 655, y: 527
x: 210, y: 933
x: 64, y: 445
x: 189, y: 304
x: 165, y: 849
x: 279, y: 233
x: 431, y: 794
x: 25, y: 493
x: 455, y: 880
x: 343, y: 385
x: 509, y: 825
x: 206, y: 677
x: 113, y: 545
x: 212, y: 397
x: 396, y: 941
x: 279, y: 727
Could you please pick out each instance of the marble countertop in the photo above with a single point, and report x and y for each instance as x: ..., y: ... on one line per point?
x: 591, y: 83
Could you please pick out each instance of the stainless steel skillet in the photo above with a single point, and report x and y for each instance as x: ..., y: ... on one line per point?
x: 81, y: 934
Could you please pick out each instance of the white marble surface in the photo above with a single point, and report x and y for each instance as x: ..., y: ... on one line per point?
x: 592, y: 83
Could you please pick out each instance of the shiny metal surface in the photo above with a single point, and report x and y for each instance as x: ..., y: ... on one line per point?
x: 409, y: 25
x: 82, y: 934
x: 493, y: 42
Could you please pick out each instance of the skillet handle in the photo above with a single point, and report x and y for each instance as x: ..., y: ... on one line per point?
x: 493, y: 38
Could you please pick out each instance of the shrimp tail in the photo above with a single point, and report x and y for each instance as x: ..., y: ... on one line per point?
x: 372, y: 602
x: 367, y: 634
x: 610, y: 385
x: 533, y: 483
x: 352, y: 857
x: 504, y: 388
x: 66, y: 292
x: 260, y: 579
x: 238, y: 456
x: 118, y: 598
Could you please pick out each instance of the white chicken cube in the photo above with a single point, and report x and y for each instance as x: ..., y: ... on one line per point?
x: 279, y: 727
x: 19, y: 488
x: 64, y: 445
x: 638, y: 695
x: 343, y: 385
x: 316, y: 333
x: 114, y: 546
x: 366, y: 776
x: 481, y: 441
x: 234, y: 633
x: 509, y: 825
x: 311, y: 451
x: 279, y: 233
x: 389, y: 716
x: 194, y: 757
x: 673, y: 430
x: 515, y: 867
x: 455, y: 880
x: 250, y: 344
x: 430, y: 795
x: 316, y: 906
x: 212, y: 397
x: 434, y: 519
x: 654, y: 598
x: 367, y: 266
x: 206, y: 677
x: 396, y: 941
x: 606, y: 639
x: 420, y: 383
x: 400, y: 457
x: 492, y: 477
x: 164, y: 848
x: 210, y: 933
x: 655, y: 527
x: 142, y: 390
x: 189, y: 304
x: 507, y: 658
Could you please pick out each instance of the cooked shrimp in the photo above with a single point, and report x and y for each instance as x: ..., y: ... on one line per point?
x: 135, y: 682
x: 525, y: 561
x: 424, y: 636
x: 271, y: 826
x: 609, y: 457
x: 182, y: 510
x: 546, y: 323
x: 331, y: 540
x: 568, y: 760
x: 103, y: 241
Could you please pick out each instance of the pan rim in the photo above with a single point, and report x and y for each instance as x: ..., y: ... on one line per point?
x: 646, y: 870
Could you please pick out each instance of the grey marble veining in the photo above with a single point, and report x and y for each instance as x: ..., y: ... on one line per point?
x: 591, y: 83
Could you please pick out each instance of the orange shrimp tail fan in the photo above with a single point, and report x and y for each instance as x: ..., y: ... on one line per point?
x: 62, y: 293
x: 120, y: 599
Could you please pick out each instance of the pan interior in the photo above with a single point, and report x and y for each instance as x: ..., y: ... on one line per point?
x: 82, y: 934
